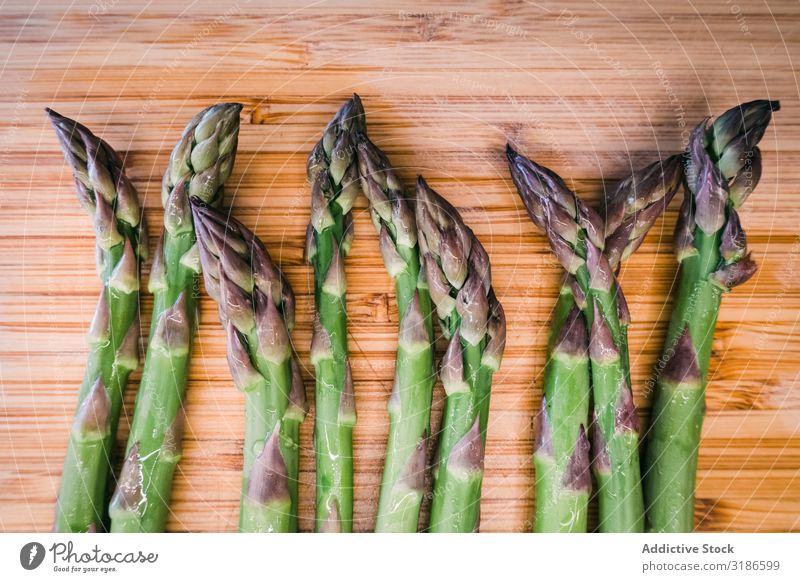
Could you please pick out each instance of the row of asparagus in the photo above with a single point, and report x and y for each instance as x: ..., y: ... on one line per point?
x: 439, y: 267
x: 256, y: 309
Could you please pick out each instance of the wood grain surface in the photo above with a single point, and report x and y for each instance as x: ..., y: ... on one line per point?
x: 591, y: 91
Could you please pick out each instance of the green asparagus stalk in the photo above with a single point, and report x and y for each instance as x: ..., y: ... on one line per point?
x: 561, y: 454
x: 631, y: 210
x: 333, y: 174
x: 470, y: 316
x: 723, y: 168
x: 576, y: 235
x: 409, y: 406
x: 198, y: 167
x: 256, y: 307
x: 108, y: 196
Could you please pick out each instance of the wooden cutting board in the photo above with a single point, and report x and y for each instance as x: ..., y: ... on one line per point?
x: 591, y: 92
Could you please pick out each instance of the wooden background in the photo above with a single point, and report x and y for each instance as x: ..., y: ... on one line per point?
x: 590, y: 92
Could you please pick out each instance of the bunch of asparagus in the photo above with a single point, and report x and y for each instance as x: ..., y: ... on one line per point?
x: 722, y: 170
x: 578, y: 237
x: 562, y: 451
x: 436, y: 263
x: 108, y: 196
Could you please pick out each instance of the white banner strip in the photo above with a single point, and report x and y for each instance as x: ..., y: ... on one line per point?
x: 330, y: 558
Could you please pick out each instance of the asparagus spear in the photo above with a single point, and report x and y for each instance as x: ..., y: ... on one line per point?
x: 256, y: 308
x: 723, y: 168
x: 562, y: 449
x: 409, y: 406
x: 561, y: 453
x: 470, y: 316
x: 576, y: 235
x: 333, y: 174
x: 198, y: 167
x: 111, y: 201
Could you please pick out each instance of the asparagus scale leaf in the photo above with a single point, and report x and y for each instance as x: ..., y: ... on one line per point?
x: 200, y: 164
x: 470, y: 316
x: 722, y: 169
x: 256, y: 308
x: 409, y: 406
x: 335, y: 185
x: 110, y: 199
